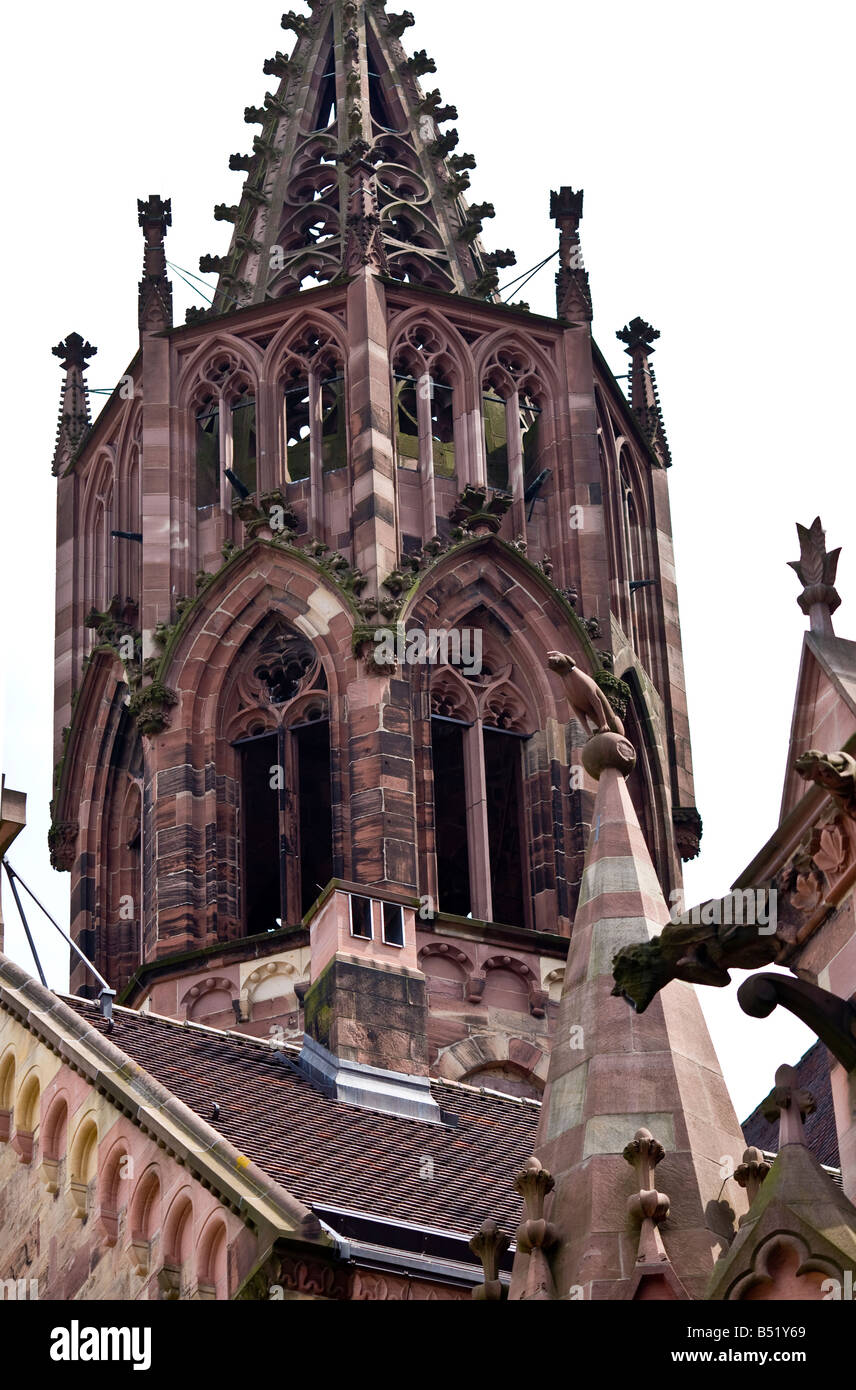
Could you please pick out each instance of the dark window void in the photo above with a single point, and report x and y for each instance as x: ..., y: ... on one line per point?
x: 361, y: 918
x: 297, y: 431
x: 530, y: 424
x: 244, y: 440
x: 450, y: 817
x: 208, y: 455
x: 496, y: 442
x: 378, y: 102
x: 325, y: 112
x: 502, y: 759
x: 316, y: 814
x: 260, y: 802
x: 393, y: 925
x: 443, y: 429
x: 407, y: 423
x: 334, y: 453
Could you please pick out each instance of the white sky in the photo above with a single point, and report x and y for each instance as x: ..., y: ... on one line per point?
x: 713, y: 145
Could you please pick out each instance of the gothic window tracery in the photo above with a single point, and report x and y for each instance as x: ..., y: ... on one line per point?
x: 425, y: 404
x: 513, y: 403
x: 225, y: 415
x: 279, y: 731
x: 314, y: 433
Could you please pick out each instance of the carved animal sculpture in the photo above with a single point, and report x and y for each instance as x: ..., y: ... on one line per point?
x: 585, y: 697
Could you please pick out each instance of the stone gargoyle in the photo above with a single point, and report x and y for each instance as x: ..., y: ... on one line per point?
x: 835, y: 773
x: 699, y: 953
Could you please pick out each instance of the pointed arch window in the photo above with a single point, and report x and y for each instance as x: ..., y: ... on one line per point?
x: 327, y: 108
x: 208, y: 454
x: 244, y: 436
x: 284, y: 760
x: 477, y: 746
x: 425, y: 424
x: 314, y: 422
x: 496, y: 441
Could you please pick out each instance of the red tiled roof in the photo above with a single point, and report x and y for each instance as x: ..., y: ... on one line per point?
x: 820, y: 1132
x: 335, y: 1155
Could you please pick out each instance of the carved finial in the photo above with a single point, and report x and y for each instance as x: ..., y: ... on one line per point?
x: 573, y: 293
x: 638, y: 334
x: 639, y: 339
x: 790, y: 1103
x: 536, y: 1236
x: 647, y: 1206
x: 490, y: 1244
x: 816, y: 569
x: 155, y: 308
x: 750, y: 1174
x: 74, y: 413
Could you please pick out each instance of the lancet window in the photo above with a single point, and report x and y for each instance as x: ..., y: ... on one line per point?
x: 512, y: 413
x: 314, y: 428
x: 425, y: 405
x: 226, y: 432
x: 479, y: 728
x: 281, y: 739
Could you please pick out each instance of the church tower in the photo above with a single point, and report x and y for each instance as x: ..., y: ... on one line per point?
x: 319, y: 768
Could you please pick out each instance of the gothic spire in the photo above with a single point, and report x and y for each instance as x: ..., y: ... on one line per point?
x: 639, y: 338
x: 155, y: 312
x: 613, y: 1074
x: 349, y: 166
x: 573, y: 296
x: 74, y: 414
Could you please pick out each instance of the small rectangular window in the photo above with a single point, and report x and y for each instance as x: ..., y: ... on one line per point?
x: 361, y: 918
x: 393, y: 925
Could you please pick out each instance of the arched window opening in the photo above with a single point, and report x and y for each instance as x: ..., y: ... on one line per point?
x: 286, y: 782
x: 425, y: 422
x: 450, y: 816
x: 333, y: 451
x: 213, y: 1264
x: 511, y: 1080
x: 530, y: 425
x: 314, y: 412
x: 7, y: 1096
x: 298, y: 412
x: 407, y: 422
x: 208, y: 454
x: 503, y: 774
x: 83, y: 1169
x: 442, y: 428
x: 479, y: 806
x: 496, y: 441
x: 244, y: 437
x: 326, y: 110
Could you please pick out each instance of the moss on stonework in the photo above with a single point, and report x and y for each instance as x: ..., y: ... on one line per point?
x: 617, y: 692
x: 149, y: 707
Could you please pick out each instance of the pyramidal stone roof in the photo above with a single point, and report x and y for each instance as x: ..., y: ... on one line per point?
x: 350, y: 165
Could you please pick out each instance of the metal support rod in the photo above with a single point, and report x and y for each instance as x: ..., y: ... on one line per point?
x: 12, y: 876
x: 86, y: 961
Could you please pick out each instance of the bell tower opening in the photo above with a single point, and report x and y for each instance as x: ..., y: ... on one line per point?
x: 260, y: 805
x: 316, y: 810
